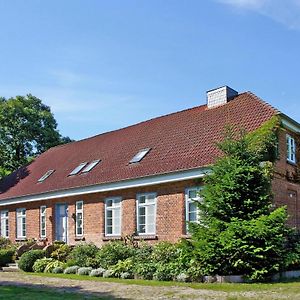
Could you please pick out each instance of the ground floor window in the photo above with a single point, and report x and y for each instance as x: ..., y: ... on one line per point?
x: 192, y: 197
x: 43, y: 221
x: 113, y: 216
x: 4, y: 223
x: 146, y: 213
x: 79, y: 218
x: 21, y: 223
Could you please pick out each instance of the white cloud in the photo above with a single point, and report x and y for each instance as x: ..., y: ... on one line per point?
x: 286, y: 12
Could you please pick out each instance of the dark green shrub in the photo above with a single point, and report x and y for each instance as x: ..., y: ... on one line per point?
x: 40, y: 264
x: 6, y: 256
x: 28, y: 259
x: 143, y: 253
x: 61, y: 253
x: 164, y: 252
x: 83, y: 254
x: 112, y: 252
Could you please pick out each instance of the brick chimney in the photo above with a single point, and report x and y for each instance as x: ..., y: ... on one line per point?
x: 220, y: 96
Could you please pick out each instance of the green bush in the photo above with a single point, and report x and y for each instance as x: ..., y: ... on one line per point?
x: 83, y: 255
x: 145, y: 270
x: 54, y: 264
x: 61, y: 253
x: 28, y: 259
x: 112, y: 252
x: 6, y: 256
x: 142, y: 253
x: 5, y: 243
x: 164, y: 272
x: 123, y: 266
x: 164, y: 252
x: 40, y: 264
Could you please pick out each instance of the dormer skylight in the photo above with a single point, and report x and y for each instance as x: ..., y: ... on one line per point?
x: 90, y: 166
x: 46, y: 175
x: 78, y: 168
x: 140, y: 155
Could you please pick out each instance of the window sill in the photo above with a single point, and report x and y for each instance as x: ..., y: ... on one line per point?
x: 146, y: 237
x: 79, y: 238
x: 111, y: 238
x: 186, y: 236
x: 43, y: 239
x: 291, y: 163
x: 21, y: 239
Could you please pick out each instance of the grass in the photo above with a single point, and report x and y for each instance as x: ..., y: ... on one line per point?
x: 25, y: 293
x: 285, y: 287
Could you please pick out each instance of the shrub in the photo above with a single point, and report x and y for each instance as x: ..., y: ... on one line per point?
x: 122, y: 267
x: 112, y: 252
x: 61, y: 253
x: 6, y: 256
x: 82, y: 254
x: 108, y: 273
x: 164, y: 252
x: 164, y: 272
x: 126, y: 275
x: 84, y: 271
x: 145, y: 270
x: 58, y: 270
x: 5, y: 243
x: 71, y: 270
x: 182, y: 277
x: 52, y: 265
x: 97, y: 272
x: 143, y: 253
x: 40, y: 264
x: 28, y: 259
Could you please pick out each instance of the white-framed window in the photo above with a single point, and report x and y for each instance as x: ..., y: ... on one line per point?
x: 21, y: 223
x: 146, y: 213
x: 192, y: 197
x: 291, y: 149
x: 113, y: 216
x: 4, y: 223
x: 43, y: 221
x: 79, y: 218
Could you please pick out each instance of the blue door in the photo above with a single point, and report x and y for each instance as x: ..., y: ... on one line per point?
x: 61, y: 222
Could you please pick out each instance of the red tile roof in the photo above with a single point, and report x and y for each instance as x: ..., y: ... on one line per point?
x: 179, y: 141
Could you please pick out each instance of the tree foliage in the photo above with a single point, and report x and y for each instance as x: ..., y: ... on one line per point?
x: 240, y: 232
x: 27, y: 128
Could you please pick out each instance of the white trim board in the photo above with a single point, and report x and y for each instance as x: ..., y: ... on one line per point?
x: 290, y: 124
x: 105, y: 187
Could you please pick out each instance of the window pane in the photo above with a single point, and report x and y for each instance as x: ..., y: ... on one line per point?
x: 79, y: 205
x: 142, y: 199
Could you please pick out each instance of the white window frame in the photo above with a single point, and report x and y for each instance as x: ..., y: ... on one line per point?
x: 43, y: 227
x: 20, y: 221
x: 4, y: 214
x: 116, y: 205
x: 189, y: 200
x: 77, y: 212
x: 138, y: 204
x: 291, y: 149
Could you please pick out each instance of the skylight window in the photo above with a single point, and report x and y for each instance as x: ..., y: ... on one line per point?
x: 46, y: 175
x: 78, y: 168
x: 90, y: 166
x: 140, y: 155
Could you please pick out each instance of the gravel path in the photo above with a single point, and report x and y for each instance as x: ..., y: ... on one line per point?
x: 122, y: 291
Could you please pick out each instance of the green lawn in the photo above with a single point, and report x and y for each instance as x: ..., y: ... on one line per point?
x: 25, y: 293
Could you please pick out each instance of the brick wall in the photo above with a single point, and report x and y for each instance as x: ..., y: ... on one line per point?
x: 170, y: 215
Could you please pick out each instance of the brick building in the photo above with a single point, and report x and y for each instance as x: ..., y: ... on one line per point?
x: 142, y: 179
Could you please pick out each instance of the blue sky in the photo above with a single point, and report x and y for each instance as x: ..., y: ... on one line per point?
x: 101, y: 65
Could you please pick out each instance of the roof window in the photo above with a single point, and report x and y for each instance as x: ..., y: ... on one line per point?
x: 46, y: 175
x: 140, y: 155
x: 90, y: 166
x: 78, y: 168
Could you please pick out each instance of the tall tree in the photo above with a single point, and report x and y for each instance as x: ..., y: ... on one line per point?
x: 239, y: 230
x: 27, y: 128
